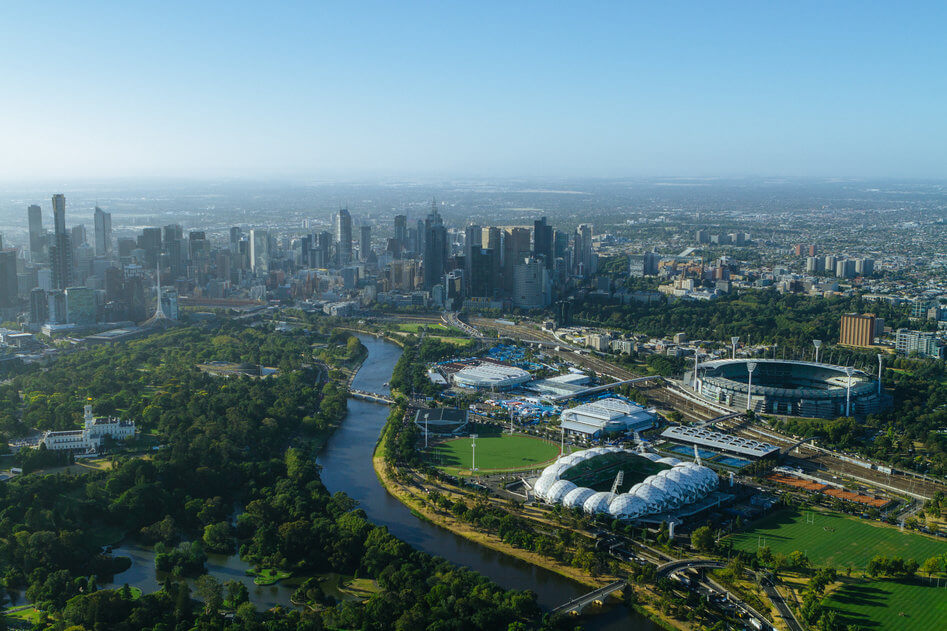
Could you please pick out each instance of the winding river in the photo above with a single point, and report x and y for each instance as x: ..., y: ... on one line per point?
x: 347, y: 466
x: 346, y: 463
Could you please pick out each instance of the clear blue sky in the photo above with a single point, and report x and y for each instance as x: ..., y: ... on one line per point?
x: 349, y: 89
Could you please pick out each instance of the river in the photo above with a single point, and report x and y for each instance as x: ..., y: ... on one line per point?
x: 346, y: 463
x: 347, y: 466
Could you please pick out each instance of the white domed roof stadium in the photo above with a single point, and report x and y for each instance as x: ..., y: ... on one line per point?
x: 598, y: 503
x: 627, y: 506
x: 576, y: 497
x: 542, y: 485
x: 558, y: 490
x: 682, y: 483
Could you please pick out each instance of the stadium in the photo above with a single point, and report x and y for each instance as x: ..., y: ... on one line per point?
x: 795, y: 388
x: 488, y: 375
x: 672, y: 484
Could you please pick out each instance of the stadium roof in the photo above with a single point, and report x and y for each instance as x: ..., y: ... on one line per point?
x: 609, y: 415
x: 490, y: 375
x: 718, y: 440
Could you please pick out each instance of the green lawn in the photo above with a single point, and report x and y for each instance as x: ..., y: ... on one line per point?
x: 415, y: 327
x: 836, y: 540
x: 881, y: 605
x: 495, y: 452
x: 268, y: 576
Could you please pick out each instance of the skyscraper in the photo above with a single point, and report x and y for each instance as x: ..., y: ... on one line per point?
x: 37, y: 234
x: 8, y: 286
x: 542, y: 241
x: 435, y: 248
x: 473, y: 241
x: 515, y: 248
x: 103, y: 232
x: 364, y: 242
x: 343, y: 235
x: 401, y: 232
x: 259, y: 251
x: 60, y: 252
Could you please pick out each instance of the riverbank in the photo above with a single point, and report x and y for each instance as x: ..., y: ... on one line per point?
x: 415, y: 503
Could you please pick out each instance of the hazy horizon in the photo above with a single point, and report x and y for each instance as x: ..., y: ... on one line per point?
x: 426, y: 92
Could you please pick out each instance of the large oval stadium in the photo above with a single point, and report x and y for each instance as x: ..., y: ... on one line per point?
x: 793, y: 388
x: 648, y: 484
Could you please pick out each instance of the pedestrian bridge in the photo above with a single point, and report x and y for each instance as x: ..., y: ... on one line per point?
x: 576, y: 605
x: 371, y: 396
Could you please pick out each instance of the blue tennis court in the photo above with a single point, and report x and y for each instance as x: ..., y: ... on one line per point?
x: 732, y: 462
x: 684, y: 450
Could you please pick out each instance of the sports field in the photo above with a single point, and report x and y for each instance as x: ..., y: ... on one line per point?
x: 599, y: 472
x: 495, y: 452
x: 835, y: 540
x: 882, y: 605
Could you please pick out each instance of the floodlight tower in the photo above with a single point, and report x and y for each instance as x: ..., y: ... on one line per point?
x: 426, y: 431
x: 750, y: 367
x: 818, y: 345
x: 696, y: 359
x: 473, y: 455
x: 881, y: 359
x: 848, y: 391
x: 733, y: 342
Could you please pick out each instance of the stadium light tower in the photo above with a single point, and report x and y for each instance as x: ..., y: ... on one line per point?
x: 697, y: 354
x: 733, y: 342
x: 849, y: 371
x: 750, y: 367
x: 426, y: 432
x: 473, y: 455
x: 881, y: 359
x: 818, y: 345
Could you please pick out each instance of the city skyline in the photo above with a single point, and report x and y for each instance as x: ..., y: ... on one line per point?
x: 610, y: 90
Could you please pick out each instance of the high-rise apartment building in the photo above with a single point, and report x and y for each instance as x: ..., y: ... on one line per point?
x: 364, y: 242
x: 103, y: 232
x: 38, y: 246
x: 920, y: 343
x: 8, y: 281
x: 60, y: 252
x: 857, y: 329
x: 343, y: 236
x: 435, y: 248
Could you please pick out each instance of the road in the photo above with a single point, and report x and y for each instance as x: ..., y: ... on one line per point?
x: 780, y: 603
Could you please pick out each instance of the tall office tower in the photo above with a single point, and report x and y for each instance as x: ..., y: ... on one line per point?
x: 343, y: 236
x: 198, y: 246
x: 236, y: 234
x: 583, y: 250
x: 531, y: 284
x: 38, y: 252
x: 60, y: 252
x: 417, y: 243
x: 150, y: 241
x: 39, y: 308
x: 103, y: 232
x: 542, y: 241
x: 435, y: 248
x: 78, y: 235
x: 364, y: 242
x: 401, y: 232
x: 484, y: 272
x: 857, y: 329
x: 473, y: 242
x: 8, y: 282
x: 259, y: 251
x: 516, y: 246
x: 703, y: 236
x: 490, y: 238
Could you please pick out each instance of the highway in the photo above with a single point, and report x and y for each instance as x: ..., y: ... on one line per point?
x: 780, y: 603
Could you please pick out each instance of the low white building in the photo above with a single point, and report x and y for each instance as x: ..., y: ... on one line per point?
x: 92, y: 434
x: 606, y: 416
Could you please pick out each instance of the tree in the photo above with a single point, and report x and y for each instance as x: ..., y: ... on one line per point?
x: 211, y: 591
x: 703, y: 539
x: 932, y: 566
x: 218, y: 537
x: 237, y: 593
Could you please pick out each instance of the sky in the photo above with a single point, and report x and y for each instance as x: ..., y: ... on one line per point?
x: 477, y: 89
